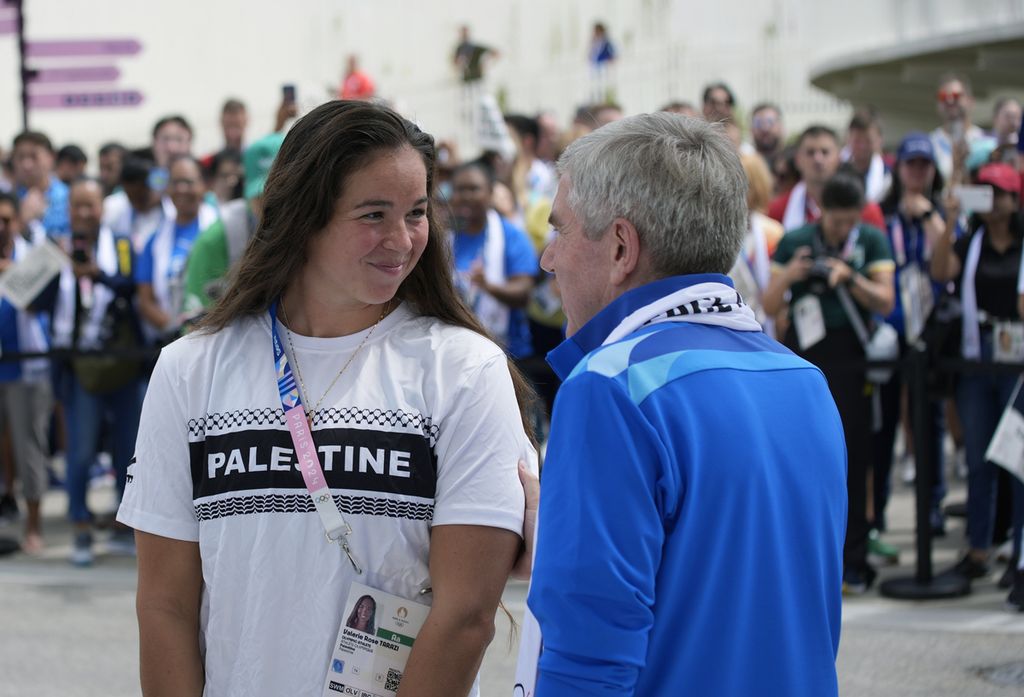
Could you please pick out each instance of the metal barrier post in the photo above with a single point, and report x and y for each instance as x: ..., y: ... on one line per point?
x: 923, y: 585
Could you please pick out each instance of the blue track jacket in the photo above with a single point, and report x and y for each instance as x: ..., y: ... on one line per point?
x: 693, y: 513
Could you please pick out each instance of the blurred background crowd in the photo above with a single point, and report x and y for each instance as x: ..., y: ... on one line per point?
x: 852, y: 227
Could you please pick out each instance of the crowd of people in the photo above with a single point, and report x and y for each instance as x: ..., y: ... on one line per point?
x: 845, y: 239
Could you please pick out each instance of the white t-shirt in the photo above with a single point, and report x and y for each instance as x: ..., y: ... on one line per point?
x: 422, y: 429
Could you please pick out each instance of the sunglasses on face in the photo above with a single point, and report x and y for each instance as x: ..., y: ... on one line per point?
x: 950, y: 96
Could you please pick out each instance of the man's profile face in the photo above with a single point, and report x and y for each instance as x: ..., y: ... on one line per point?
x: 581, y: 266
x: 817, y: 158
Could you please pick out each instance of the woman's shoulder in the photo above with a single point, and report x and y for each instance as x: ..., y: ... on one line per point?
x: 201, y: 346
x: 448, y: 343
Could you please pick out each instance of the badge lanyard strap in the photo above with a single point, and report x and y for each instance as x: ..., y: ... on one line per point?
x: 336, y: 528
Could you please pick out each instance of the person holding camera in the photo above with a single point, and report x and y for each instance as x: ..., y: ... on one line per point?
x: 829, y: 270
x: 94, y: 311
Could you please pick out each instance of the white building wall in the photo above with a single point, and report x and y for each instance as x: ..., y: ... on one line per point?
x: 198, y: 52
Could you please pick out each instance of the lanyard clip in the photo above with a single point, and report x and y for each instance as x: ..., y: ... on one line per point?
x: 342, y: 539
x: 351, y: 557
x: 339, y: 533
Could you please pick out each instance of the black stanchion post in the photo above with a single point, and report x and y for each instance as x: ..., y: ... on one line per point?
x: 924, y: 585
x: 924, y: 478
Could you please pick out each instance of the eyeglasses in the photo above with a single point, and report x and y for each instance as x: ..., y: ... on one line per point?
x: 950, y: 96
x: 763, y: 121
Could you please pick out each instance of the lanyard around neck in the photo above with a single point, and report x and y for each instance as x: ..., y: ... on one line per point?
x: 336, y: 528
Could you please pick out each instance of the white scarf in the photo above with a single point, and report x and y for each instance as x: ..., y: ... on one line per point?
x: 704, y: 303
x: 31, y: 337
x: 796, y: 208
x: 491, y: 312
x: 64, y: 314
x: 877, y: 182
x: 971, y: 343
x: 163, y: 248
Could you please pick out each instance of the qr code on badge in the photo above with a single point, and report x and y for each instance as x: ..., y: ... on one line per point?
x: 394, y: 678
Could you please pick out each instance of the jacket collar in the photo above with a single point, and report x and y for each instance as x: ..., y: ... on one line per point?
x: 564, y: 357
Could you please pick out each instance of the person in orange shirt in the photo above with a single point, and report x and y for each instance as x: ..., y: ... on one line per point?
x: 356, y: 84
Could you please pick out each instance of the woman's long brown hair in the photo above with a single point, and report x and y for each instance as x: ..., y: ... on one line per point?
x: 321, y: 151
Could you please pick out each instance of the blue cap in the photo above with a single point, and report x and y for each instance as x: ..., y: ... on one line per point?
x: 916, y: 146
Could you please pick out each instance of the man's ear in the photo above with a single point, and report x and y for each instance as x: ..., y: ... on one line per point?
x: 624, y: 250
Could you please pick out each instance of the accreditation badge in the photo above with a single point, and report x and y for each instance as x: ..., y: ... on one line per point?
x: 1008, y: 342
x: 374, y: 642
x: 809, y: 321
x: 916, y: 298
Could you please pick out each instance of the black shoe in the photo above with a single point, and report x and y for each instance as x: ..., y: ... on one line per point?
x: 957, y: 509
x: 8, y: 546
x: 1015, y: 600
x: 969, y: 568
x: 8, y: 509
x: 858, y: 581
x: 1006, y: 580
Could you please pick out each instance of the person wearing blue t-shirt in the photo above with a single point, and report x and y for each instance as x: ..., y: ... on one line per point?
x: 160, y: 271
x: 44, y: 197
x: 495, y: 264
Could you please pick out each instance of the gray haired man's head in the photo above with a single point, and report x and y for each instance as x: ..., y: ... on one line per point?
x: 678, y: 180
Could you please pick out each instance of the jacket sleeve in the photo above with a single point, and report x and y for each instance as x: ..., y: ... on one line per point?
x: 599, y: 541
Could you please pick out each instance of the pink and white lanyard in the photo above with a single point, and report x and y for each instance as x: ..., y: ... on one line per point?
x: 336, y: 528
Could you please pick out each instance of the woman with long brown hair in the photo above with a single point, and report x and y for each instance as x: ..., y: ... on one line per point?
x: 340, y: 390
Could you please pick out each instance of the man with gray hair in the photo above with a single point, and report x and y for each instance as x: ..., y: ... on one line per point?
x: 690, y: 532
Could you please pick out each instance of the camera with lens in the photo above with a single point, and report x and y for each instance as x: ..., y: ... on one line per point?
x: 817, y: 277
x: 79, y: 248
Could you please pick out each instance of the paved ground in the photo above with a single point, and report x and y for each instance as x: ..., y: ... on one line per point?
x: 71, y: 632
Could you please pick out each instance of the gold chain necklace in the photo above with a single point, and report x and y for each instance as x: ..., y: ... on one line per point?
x: 298, y: 370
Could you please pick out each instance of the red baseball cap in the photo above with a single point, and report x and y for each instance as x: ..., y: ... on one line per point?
x: 1000, y: 175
